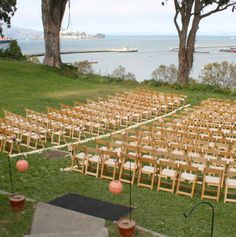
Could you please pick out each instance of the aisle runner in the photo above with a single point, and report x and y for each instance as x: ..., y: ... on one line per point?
x: 91, y: 206
x: 97, y: 137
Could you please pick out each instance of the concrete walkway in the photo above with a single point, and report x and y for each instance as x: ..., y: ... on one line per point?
x: 52, y: 221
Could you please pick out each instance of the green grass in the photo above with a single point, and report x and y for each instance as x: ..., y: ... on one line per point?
x: 36, y: 86
x: 25, y: 85
x: 14, y: 223
x: 159, y: 211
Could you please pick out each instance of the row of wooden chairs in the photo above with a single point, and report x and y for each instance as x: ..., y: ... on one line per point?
x: 95, y: 117
x: 171, y: 176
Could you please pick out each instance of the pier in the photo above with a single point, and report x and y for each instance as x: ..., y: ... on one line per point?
x: 122, y: 50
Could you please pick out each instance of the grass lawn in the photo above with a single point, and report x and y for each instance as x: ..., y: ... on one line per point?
x: 35, y: 86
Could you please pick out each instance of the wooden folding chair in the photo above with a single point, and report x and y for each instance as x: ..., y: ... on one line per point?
x: 10, y: 139
x: 102, y: 144
x: 132, y: 141
x: 220, y: 165
x: 58, y: 133
x: 212, y: 178
x: 110, y: 160
x: 168, y: 172
x: 118, y: 138
x: 97, y: 125
x: 198, y: 162
x: 230, y: 187
x: 128, y: 167
x: 180, y: 159
x: 78, y: 158
x: 147, y: 171
x: 2, y: 138
x: 35, y: 138
x: 187, y: 175
x: 162, y: 148
x: 94, y: 160
x: 77, y: 129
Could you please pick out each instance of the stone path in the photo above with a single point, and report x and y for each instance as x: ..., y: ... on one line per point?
x: 52, y: 221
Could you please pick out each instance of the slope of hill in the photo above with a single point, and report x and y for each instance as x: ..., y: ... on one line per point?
x: 22, y: 33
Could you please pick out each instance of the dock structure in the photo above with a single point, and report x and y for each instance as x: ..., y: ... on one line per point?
x: 122, y: 50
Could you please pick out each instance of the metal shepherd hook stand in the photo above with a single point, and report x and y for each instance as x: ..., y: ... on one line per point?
x: 10, y: 174
x: 212, y: 216
x: 130, y: 197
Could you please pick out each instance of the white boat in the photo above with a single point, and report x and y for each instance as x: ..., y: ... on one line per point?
x: 5, y: 40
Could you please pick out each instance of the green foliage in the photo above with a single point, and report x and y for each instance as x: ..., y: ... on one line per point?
x: 165, y: 74
x: 192, y: 86
x: 219, y: 74
x: 84, y: 67
x: 120, y: 74
x: 7, y: 10
x: 33, y: 60
x: 12, y: 52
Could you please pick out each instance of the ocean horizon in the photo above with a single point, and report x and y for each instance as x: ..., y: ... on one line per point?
x: 153, y: 50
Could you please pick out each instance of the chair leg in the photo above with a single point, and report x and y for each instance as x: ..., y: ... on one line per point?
x: 193, y: 188
x: 11, y: 149
x: 86, y: 167
x: 159, y: 183
x: 173, y: 185
x: 114, y: 172
x: 178, y: 186
x: 203, y: 189
x: 226, y: 193
x: 120, y: 174
x: 97, y: 172
x: 102, y: 170
x: 152, y: 182
x: 133, y: 177
x: 218, y: 192
x: 139, y: 176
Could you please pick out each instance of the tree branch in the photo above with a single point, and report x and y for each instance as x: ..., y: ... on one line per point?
x: 218, y: 9
x: 176, y: 23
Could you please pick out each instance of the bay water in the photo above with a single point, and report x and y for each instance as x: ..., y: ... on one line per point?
x: 152, y: 52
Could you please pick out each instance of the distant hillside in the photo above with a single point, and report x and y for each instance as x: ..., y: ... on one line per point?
x: 22, y: 33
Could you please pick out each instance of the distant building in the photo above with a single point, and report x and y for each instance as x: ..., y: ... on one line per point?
x: 80, y: 35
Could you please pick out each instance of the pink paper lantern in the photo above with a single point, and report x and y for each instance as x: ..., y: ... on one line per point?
x: 22, y: 165
x: 115, y: 187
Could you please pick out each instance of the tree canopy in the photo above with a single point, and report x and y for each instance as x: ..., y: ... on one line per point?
x: 188, y: 14
x: 7, y: 10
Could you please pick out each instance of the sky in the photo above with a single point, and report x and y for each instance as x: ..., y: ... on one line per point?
x: 122, y: 17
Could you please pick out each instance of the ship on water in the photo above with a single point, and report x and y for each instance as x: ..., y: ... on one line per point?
x: 3, y: 39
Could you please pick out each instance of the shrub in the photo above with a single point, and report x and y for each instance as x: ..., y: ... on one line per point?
x: 13, y: 51
x: 121, y: 74
x: 33, y: 60
x: 165, y: 74
x: 219, y: 74
x: 84, y: 67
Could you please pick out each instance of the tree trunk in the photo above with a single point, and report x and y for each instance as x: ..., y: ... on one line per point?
x: 183, y: 70
x: 52, y: 15
x: 186, y: 51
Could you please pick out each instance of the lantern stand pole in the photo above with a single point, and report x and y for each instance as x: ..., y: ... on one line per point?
x: 10, y: 173
x: 130, y: 201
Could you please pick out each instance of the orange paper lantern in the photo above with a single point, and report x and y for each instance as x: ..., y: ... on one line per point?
x: 22, y: 165
x: 115, y: 187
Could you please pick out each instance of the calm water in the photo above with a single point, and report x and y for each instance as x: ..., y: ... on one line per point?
x: 152, y: 52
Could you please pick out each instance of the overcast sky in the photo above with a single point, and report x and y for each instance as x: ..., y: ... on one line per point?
x: 121, y: 16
